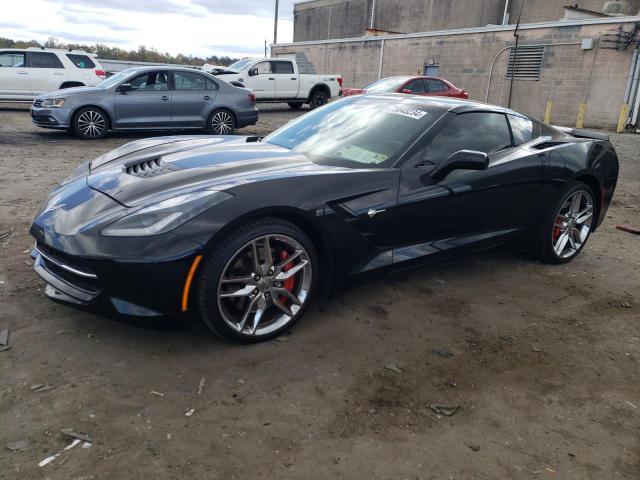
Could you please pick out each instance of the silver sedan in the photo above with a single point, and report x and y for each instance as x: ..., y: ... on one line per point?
x: 149, y: 98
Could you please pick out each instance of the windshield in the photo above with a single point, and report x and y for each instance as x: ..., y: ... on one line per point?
x: 115, y: 79
x: 240, y: 64
x: 386, y: 85
x: 360, y: 132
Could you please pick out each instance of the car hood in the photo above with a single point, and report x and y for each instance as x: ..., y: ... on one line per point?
x: 66, y: 92
x: 150, y: 170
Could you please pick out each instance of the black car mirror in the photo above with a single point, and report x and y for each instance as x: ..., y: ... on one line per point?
x: 253, y: 72
x: 461, y: 160
x: 125, y: 87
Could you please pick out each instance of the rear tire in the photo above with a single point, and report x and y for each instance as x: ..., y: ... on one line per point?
x: 90, y: 123
x: 221, y: 122
x: 318, y: 99
x: 567, y: 225
x: 263, y: 302
x: 295, y: 105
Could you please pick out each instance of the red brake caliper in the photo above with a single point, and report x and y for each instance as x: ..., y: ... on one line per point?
x: 289, y: 283
x: 557, y: 231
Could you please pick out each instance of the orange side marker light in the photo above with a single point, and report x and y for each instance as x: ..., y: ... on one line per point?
x: 187, y: 283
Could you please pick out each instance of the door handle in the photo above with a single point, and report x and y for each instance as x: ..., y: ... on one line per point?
x: 293, y: 78
x: 270, y: 78
x: 165, y: 98
x: 23, y: 73
x: 207, y: 97
x: 373, y: 212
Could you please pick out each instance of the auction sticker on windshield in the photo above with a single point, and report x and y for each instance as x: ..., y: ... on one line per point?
x: 361, y: 155
x: 414, y: 113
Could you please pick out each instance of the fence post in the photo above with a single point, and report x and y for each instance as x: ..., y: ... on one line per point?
x: 547, y: 112
x: 582, y: 112
x: 622, y: 121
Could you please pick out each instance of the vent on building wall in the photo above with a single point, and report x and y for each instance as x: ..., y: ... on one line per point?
x: 527, y: 64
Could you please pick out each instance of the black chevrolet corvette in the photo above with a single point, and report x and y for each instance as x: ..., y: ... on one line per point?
x: 245, y: 231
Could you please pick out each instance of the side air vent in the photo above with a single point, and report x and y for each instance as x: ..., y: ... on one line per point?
x: 149, y: 168
x: 545, y: 145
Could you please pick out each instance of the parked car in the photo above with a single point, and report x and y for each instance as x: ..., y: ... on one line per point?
x: 216, y: 69
x: 149, y: 98
x: 279, y: 80
x: 26, y: 73
x: 245, y: 232
x: 426, y: 86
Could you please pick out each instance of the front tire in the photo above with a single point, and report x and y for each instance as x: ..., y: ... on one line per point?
x: 256, y: 283
x: 90, y: 123
x: 221, y: 122
x: 568, y: 225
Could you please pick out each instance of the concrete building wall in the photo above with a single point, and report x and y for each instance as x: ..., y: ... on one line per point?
x: 326, y: 19
x: 330, y: 19
x: 549, y: 10
x: 569, y: 74
x: 408, y: 16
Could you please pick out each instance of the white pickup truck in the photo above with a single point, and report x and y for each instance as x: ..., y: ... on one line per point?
x: 278, y: 80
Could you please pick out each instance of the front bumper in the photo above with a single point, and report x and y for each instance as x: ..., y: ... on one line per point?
x: 139, y: 289
x: 51, y: 117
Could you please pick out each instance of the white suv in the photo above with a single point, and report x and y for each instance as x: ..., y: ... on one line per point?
x: 26, y: 73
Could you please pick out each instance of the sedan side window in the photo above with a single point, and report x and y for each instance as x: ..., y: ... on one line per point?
x: 480, y: 131
x: 264, y: 67
x: 152, y: 81
x: 12, y: 59
x: 416, y: 86
x: 189, y: 81
x: 522, y: 129
x: 436, y: 86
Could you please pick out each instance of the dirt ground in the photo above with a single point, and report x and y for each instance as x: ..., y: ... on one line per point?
x: 544, y: 362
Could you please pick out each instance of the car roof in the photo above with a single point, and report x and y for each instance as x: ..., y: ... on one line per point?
x: 154, y: 68
x: 455, y: 105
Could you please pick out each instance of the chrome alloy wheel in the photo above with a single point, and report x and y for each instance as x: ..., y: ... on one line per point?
x: 264, y: 285
x: 92, y: 123
x: 222, y: 123
x: 573, y: 224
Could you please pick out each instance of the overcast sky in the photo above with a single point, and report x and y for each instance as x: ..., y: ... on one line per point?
x: 237, y: 28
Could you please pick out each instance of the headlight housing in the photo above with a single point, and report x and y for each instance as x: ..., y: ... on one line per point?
x: 53, y: 102
x: 162, y: 217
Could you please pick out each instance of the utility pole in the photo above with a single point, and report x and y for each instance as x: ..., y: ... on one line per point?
x: 515, y: 53
x: 265, y: 48
x: 275, y: 25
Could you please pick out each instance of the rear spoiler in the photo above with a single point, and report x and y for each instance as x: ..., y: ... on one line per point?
x: 580, y: 133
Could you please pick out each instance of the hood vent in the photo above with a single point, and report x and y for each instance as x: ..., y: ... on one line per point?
x: 149, y: 168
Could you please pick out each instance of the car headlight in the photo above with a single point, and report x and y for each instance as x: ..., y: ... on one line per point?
x: 164, y: 216
x: 53, y: 102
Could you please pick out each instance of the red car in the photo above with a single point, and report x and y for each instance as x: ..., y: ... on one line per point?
x: 427, y: 86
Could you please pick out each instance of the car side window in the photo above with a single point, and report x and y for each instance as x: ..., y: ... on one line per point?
x: 151, y: 81
x: 416, y: 86
x: 12, y: 59
x: 522, y: 129
x: 211, y: 85
x: 481, y: 131
x: 436, y: 86
x: 264, y: 67
x: 81, y: 61
x: 189, y: 81
x: 283, y: 67
x: 44, y: 60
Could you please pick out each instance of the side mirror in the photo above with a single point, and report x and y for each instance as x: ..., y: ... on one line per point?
x: 253, y: 72
x: 125, y: 87
x: 461, y: 160
x: 406, y: 90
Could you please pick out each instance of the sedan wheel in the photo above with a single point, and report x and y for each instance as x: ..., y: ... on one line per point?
x: 221, y: 123
x: 570, y: 227
x: 90, y: 124
x: 258, y: 281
